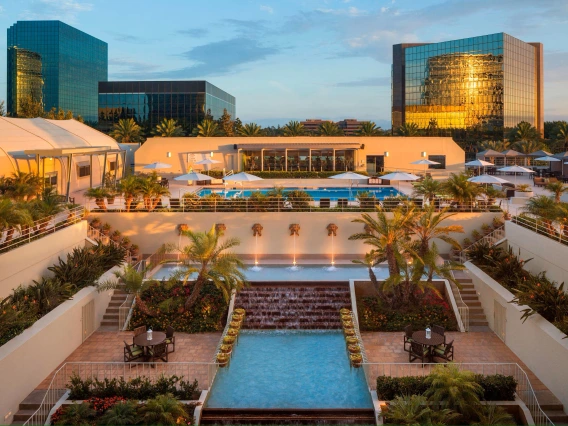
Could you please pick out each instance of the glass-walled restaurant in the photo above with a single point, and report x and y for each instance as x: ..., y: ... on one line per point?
x: 299, y: 159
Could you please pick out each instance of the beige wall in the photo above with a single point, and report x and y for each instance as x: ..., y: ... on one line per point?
x: 536, y: 342
x: 30, y: 261
x: 29, y: 358
x: 547, y: 254
x: 151, y: 230
x: 402, y: 150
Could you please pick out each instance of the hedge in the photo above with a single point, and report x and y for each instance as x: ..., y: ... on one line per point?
x: 496, y: 387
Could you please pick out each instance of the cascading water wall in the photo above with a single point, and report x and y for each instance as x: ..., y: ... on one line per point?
x: 294, y: 232
x: 256, y: 232
x: 332, y: 232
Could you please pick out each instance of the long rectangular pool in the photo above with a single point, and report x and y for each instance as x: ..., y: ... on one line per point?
x: 290, y: 369
x: 333, y: 193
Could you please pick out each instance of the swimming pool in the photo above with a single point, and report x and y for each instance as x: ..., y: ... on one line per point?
x: 290, y: 369
x: 316, y: 193
x: 279, y: 273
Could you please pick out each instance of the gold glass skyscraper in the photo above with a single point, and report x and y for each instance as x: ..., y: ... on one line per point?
x: 24, y: 67
x: 489, y: 82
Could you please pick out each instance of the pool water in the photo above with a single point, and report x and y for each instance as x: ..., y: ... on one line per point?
x: 290, y: 369
x: 332, y: 193
x: 279, y: 273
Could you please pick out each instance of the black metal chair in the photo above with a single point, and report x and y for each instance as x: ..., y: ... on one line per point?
x: 444, y: 351
x: 158, y: 351
x: 132, y: 352
x: 418, y: 351
x: 438, y: 329
x: 170, y: 339
x: 407, y: 337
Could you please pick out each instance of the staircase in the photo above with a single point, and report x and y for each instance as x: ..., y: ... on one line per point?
x: 110, y: 318
x: 552, y: 407
x: 477, y: 319
x: 278, y: 416
x: 29, y: 406
x: 293, y: 307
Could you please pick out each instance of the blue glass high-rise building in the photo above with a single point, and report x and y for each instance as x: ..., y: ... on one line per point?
x: 72, y: 64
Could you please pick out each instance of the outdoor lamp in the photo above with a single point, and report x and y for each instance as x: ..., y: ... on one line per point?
x: 423, y: 154
x: 428, y: 333
x: 211, y: 154
x: 168, y: 154
x: 386, y: 153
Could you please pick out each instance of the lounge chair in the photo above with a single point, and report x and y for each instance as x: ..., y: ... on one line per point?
x: 132, y: 352
x: 170, y: 339
x: 158, y: 352
x: 325, y: 203
x: 444, y: 351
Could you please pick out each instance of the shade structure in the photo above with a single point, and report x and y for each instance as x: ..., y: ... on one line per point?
x: 479, y: 163
x: 241, y: 177
x: 513, y: 153
x: 487, y: 179
x: 516, y: 169
x: 540, y: 153
x: 547, y: 159
x: 424, y: 162
x: 208, y: 161
x: 193, y: 176
x: 157, y: 166
x: 400, y: 176
x: 349, y: 176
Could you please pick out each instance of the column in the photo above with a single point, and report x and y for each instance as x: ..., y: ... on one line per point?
x: 69, y: 163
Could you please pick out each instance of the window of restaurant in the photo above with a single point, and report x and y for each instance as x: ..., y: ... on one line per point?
x: 252, y: 160
x: 322, y: 160
x: 375, y: 163
x: 274, y: 159
x: 298, y: 160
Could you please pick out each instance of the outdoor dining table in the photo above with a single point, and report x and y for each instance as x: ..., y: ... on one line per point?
x: 434, y: 340
x: 142, y: 341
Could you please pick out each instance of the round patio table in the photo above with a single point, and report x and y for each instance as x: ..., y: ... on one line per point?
x: 420, y: 337
x: 141, y: 340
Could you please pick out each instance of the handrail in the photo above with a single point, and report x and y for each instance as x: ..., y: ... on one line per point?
x: 203, y: 371
x: 40, y: 228
x: 95, y: 234
x: 549, y: 229
x: 524, y: 390
x: 124, y: 310
x: 463, y: 309
x: 494, y: 237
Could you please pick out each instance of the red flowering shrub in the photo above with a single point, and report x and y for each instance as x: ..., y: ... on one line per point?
x: 100, y: 405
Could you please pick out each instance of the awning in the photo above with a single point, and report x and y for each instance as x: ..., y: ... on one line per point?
x: 59, y: 152
x: 304, y: 145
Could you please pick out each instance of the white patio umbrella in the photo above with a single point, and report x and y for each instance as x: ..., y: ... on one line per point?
x: 516, y: 169
x: 424, y: 162
x: 157, y: 166
x: 193, y: 176
x: 487, y: 179
x: 350, y: 176
x: 479, y: 164
x: 398, y: 176
x: 547, y: 159
x: 208, y: 161
x: 241, y: 177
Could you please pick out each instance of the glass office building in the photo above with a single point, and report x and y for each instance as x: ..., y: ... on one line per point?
x: 491, y: 82
x: 148, y: 102
x: 72, y: 64
x: 24, y: 72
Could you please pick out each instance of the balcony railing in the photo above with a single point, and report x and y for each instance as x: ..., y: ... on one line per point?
x: 493, y: 238
x: 549, y: 229
x: 96, y: 235
x: 17, y: 237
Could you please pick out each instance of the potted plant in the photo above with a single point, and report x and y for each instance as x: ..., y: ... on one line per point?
x: 229, y: 340
x: 348, y: 324
x: 466, y: 243
x: 134, y: 250
x: 346, y: 317
x: 232, y: 332
x: 356, y: 360
x: 237, y: 317
x: 226, y: 349
x: 344, y: 311
x: 99, y: 194
x: 476, y: 235
x: 235, y: 324
x: 223, y: 359
x: 115, y: 236
x: 351, y: 340
x: 524, y: 191
x: 96, y: 223
x: 497, y: 222
x: 507, y: 215
x: 106, y: 229
x: 486, y: 229
x: 111, y: 194
x: 349, y: 332
x: 183, y: 227
x: 125, y: 243
x: 240, y: 311
x: 354, y: 349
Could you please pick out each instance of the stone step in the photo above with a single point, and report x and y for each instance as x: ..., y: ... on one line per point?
x: 33, y: 400
x: 557, y: 416
x: 112, y: 310
x: 116, y: 303
x: 471, y: 304
x: 109, y: 323
x: 547, y: 400
x: 110, y: 316
x: 23, y: 415
x: 476, y: 323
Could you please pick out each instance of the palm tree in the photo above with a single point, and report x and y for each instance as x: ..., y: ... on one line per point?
x: 524, y: 131
x: 460, y: 189
x: 408, y: 129
x: 428, y: 227
x: 557, y: 189
x: 210, y: 259
x: 77, y: 414
x: 207, y: 129
x: 126, y: 130
x: 133, y: 283
x: 369, y: 128
x: 428, y: 188
x: 22, y: 186
x: 121, y: 413
x: 129, y: 187
x: 526, y: 147
x: 329, y: 128
x: 408, y: 410
x: 151, y: 192
x: 544, y: 208
x: 491, y: 414
x: 495, y: 145
x: 162, y: 410
x: 562, y: 134
x: 12, y: 218
x: 294, y: 128
x: 99, y: 194
x: 250, y: 130
x: 456, y: 389
x: 168, y: 128
x: 46, y: 207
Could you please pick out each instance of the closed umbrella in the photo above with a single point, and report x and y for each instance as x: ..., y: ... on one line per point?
x: 157, y: 166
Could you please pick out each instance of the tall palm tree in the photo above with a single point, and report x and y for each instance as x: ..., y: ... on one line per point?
x: 408, y: 129
x: 12, y: 218
x: 526, y: 147
x: 562, y: 134
x: 524, y: 131
x: 294, y: 128
x: 151, y: 192
x: 557, y: 189
x: 369, y: 128
x: 207, y: 129
x: 162, y: 410
x: 46, y: 207
x: 126, y: 130
x: 329, y: 128
x: 428, y: 188
x: 22, y: 186
x: 428, y: 227
x: 129, y: 186
x: 250, y: 130
x: 211, y: 259
x: 133, y: 283
x: 168, y: 128
x: 460, y: 189
x: 494, y: 145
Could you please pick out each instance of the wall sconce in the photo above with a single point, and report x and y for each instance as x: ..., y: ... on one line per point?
x: 211, y: 154
x: 386, y: 153
x: 168, y: 154
x: 423, y: 154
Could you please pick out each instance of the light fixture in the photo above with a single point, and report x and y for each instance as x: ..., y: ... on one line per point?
x: 386, y: 153
x: 211, y: 154
x: 423, y: 154
x: 168, y: 154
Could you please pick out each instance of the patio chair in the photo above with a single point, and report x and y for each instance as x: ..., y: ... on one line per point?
x: 407, y: 337
x: 325, y: 203
x: 132, y: 352
x: 539, y: 181
x: 158, y: 352
x: 439, y: 330
x: 444, y: 351
x: 138, y: 331
x: 175, y: 203
x: 170, y: 338
x: 418, y: 351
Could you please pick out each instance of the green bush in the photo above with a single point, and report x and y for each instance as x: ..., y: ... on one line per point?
x: 496, y: 387
x: 141, y: 388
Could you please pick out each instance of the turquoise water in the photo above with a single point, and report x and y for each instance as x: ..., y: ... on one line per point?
x: 279, y: 273
x: 290, y: 369
x: 332, y: 193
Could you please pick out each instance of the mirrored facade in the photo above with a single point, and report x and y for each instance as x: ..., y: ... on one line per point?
x: 24, y: 68
x: 490, y: 82
x: 72, y: 64
x: 148, y: 102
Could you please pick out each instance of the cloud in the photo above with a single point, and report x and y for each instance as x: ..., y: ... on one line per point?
x: 267, y: 9
x: 350, y: 11
x: 129, y: 38
x: 129, y: 65
x: 194, y: 32
x: 65, y: 10
x: 379, y: 81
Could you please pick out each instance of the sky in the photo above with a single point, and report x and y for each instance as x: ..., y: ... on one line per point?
x: 296, y: 59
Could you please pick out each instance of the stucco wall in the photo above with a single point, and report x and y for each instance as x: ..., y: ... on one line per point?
x: 547, y: 254
x: 536, y: 342
x: 29, y: 358
x: 30, y: 261
x: 151, y: 230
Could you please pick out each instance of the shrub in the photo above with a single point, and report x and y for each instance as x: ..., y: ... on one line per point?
x: 543, y: 297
